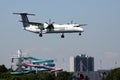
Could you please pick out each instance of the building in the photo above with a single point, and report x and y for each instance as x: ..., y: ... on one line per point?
x: 81, y: 63
x: 90, y: 64
x: 71, y: 64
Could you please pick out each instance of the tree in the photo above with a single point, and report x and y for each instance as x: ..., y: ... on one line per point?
x: 3, y: 68
x: 64, y: 75
x: 45, y: 76
x: 113, y: 75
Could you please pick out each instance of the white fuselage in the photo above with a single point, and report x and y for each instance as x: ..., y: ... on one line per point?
x: 58, y: 28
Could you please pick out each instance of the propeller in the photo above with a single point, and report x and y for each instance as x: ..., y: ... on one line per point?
x: 50, y: 25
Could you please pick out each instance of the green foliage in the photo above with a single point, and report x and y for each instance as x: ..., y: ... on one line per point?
x: 38, y: 76
x: 30, y: 76
x: 113, y: 75
x: 45, y: 76
x: 64, y: 76
x: 23, y: 77
x: 3, y: 68
x: 5, y: 75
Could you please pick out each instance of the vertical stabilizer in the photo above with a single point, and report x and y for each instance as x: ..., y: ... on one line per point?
x: 24, y: 18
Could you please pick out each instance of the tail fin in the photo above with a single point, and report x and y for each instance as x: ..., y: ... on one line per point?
x: 24, y: 18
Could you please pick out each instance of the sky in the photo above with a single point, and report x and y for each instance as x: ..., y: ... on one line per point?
x: 100, y: 39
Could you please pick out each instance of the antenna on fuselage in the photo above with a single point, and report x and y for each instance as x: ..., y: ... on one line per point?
x: 71, y: 22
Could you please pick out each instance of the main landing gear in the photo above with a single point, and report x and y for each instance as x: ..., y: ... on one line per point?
x: 80, y: 34
x: 62, y: 36
x: 40, y: 34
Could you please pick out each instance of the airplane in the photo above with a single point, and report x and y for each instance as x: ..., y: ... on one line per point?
x: 46, y: 28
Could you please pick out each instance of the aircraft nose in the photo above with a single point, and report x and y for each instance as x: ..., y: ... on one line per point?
x: 81, y: 29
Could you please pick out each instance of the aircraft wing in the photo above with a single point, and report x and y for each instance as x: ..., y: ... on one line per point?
x: 82, y: 24
x: 78, y: 25
x: 40, y: 25
x: 35, y: 23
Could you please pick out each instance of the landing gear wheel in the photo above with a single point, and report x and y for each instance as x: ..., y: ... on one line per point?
x: 62, y: 36
x: 79, y: 34
x: 40, y: 34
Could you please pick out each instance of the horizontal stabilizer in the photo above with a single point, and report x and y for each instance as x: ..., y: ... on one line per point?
x: 24, y: 14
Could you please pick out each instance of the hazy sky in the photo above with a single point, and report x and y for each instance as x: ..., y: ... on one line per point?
x: 100, y: 40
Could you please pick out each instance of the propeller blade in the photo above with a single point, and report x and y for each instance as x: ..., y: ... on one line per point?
x: 49, y: 21
x: 71, y: 21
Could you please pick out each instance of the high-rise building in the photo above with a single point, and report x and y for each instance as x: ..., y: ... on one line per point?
x: 72, y: 64
x: 90, y: 64
x: 81, y: 63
